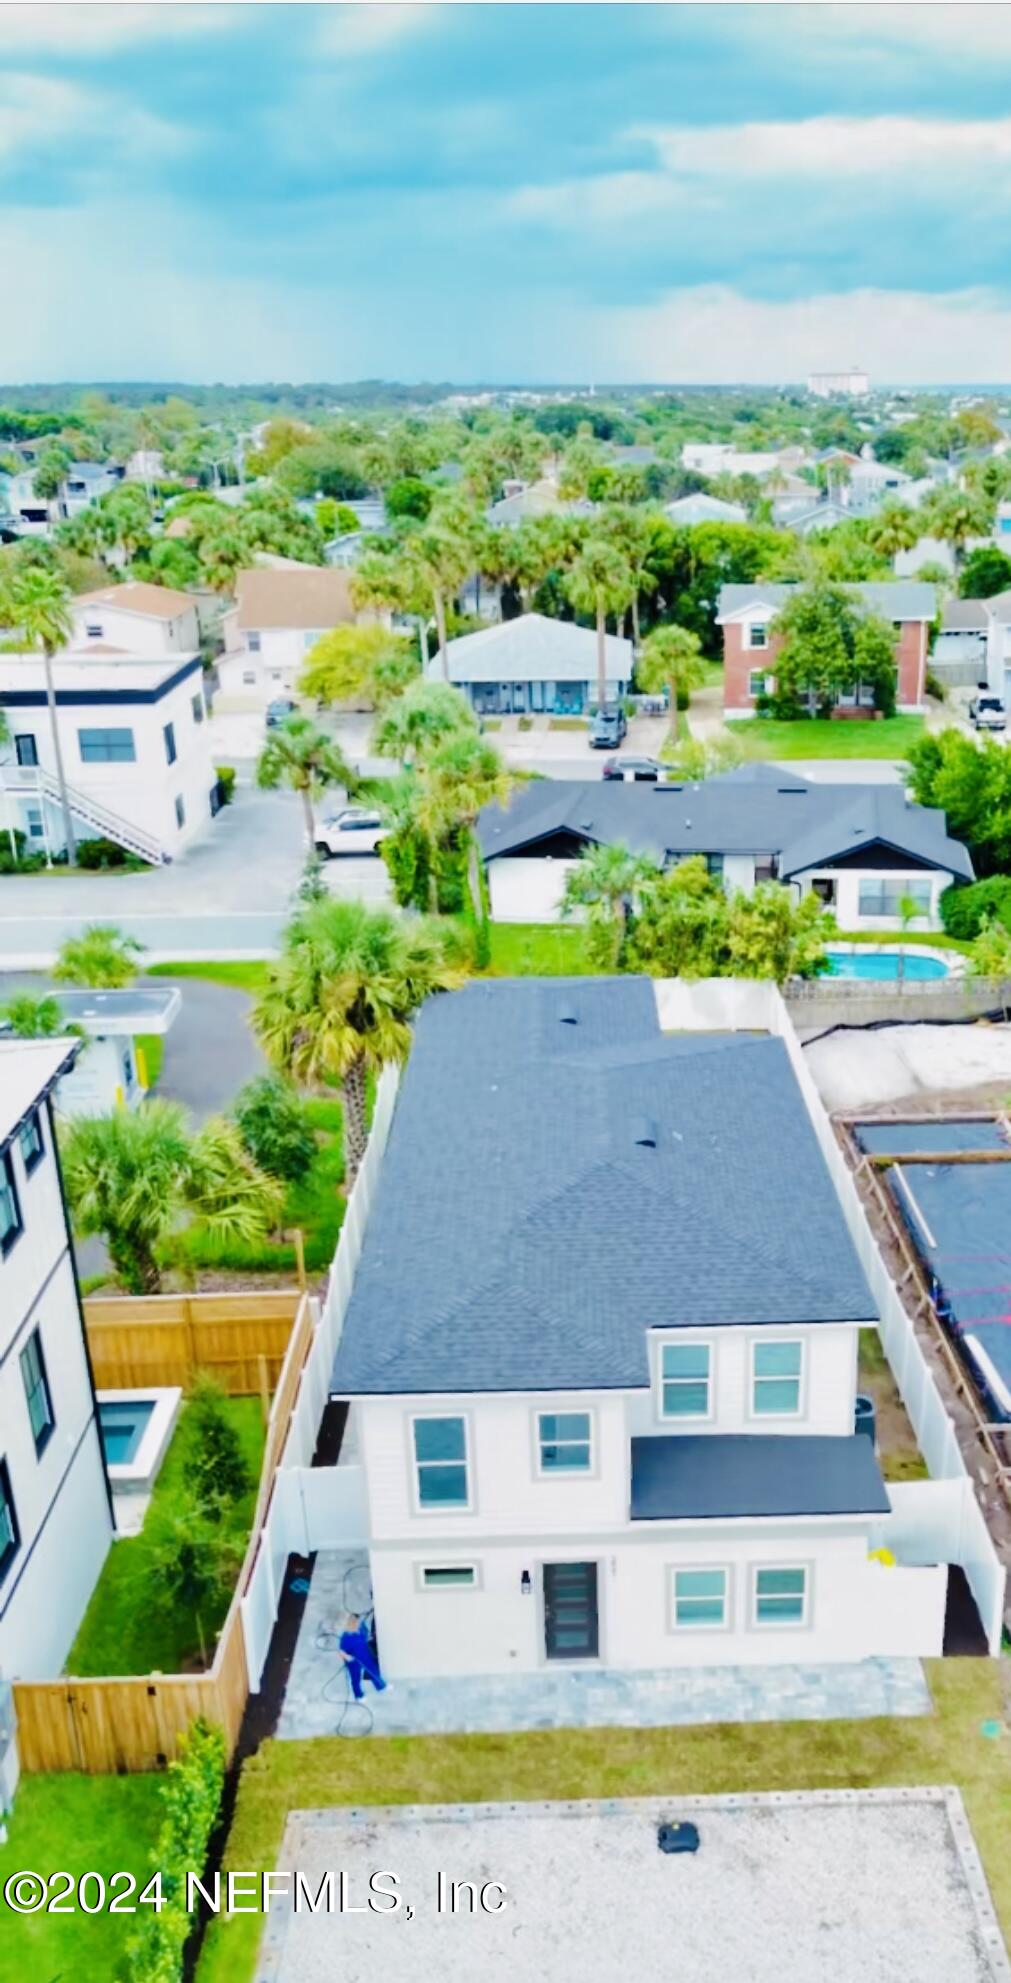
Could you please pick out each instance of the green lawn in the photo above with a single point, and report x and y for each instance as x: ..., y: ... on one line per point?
x: 948, y: 1746
x: 315, y: 1204
x: 935, y: 939
x: 79, y: 1824
x: 250, y: 977
x: 544, y: 950
x: 124, y: 1630
x: 152, y: 1046
x: 814, y: 737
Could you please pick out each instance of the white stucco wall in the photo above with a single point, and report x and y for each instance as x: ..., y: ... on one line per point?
x: 136, y: 633
x: 846, y: 907
x: 526, y: 891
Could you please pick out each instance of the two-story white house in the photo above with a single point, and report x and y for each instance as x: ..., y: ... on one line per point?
x: 279, y: 614
x: 132, y: 724
x: 602, y: 1354
x: 55, y: 1509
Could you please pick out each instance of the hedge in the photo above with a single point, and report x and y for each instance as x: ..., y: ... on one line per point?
x: 192, y: 1795
x: 964, y: 910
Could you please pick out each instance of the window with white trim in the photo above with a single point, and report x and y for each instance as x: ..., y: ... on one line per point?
x: 448, y: 1576
x: 882, y: 898
x: 699, y: 1600
x: 758, y: 634
x: 684, y: 1380
x: 253, y: 643
x: 776, y: 1371
x: 757, y: 681
x: 564, y: 1442
x: 780, y: 1595
x: 440, y: 1462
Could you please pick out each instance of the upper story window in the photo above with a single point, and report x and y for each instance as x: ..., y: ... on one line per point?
x: 37, y: 1392
x: 685, y: 1380
x: 757, y: 634
x: 169, y: 734
x: 253, y: 643
x: 10, y: 1534
x: 441, y: 1463
x: 107, y: 746
x: 10, y: 1210
x: 564, y: 1442
x: 93, y: 630
x: 776, y: 1371
x: 197, y: 705
x: 30, y: 1141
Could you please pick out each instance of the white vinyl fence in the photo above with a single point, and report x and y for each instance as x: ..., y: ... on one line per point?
x: 324, y: 1507
x: 738, y: 1005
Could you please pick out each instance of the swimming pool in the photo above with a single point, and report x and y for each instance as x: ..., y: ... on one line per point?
x: 136, y: 1427
x: 123, y: 1427
x: 883, y: 965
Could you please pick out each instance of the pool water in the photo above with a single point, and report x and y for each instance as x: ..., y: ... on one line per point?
x: 883, y: 964
x: 122, y: 1427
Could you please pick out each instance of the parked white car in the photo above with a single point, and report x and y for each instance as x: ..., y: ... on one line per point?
x: 354, y: 830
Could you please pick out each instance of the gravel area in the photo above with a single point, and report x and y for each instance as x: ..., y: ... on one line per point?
x: 862, y: 1069
x: 845, y: 1887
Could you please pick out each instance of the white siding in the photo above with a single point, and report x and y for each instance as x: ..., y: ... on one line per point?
x: 846, y: 906
x: 137, y: 633
x: 526, y: 891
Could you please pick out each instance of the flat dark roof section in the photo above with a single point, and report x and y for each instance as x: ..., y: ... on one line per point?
x: 699, y: 1477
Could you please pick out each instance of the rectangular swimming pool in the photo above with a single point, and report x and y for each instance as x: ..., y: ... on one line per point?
x: 123, y: 1427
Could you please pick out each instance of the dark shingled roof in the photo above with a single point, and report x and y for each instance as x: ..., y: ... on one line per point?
x: 698, y: 1477
x: 524, y: 1237
x: 742, y: 812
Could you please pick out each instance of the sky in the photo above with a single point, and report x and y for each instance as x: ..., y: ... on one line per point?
x: 514, y: 193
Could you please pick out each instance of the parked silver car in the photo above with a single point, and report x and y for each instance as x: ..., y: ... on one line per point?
x: 353, y: 830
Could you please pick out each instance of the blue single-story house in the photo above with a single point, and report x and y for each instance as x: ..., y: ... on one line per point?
x: 534, y: 665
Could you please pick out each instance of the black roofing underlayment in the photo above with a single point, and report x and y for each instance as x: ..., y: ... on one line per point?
x: 706, y: 1476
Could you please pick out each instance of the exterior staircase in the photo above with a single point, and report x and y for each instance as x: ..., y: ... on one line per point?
x: 30, y: 782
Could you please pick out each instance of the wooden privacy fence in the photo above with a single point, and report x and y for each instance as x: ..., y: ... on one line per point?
x: 117, y: 1724
x: 163, y: 1339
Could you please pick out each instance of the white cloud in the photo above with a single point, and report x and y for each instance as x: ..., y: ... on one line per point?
x: 88, y: 29
x: 41, y: 113
x: 362, y: 27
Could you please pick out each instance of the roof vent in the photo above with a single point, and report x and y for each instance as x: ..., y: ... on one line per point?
x: 567, y: 1015
x: 644, y: 1133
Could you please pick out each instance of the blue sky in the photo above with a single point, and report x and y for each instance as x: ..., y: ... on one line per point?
x: 524, y: 192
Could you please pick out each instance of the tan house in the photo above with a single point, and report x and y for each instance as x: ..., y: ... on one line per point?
x: 279, y: 614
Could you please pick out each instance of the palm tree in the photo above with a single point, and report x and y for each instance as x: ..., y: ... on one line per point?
x: 37, y: 601
x: 102, y: 958
x: 439, y: 560
x: 671, y: 659
x: 133, y: 1174
x: 631, y: 532
x: 420, y: 721
x: 895, y: 528
x: 33, y: 1018
x: 603, y: 881
x: 458, y: 780
x: 338, y: 1002
x: 223, y: 553
x: 600, y: 582
x: 910, y: 911
x: 304, y: 758
x: 955, y: 515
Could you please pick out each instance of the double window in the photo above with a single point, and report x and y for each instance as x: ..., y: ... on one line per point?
x: 564, y: 1442
x: 685, y: 1375
x: 37, y: 1392
x: 169, y: 734
x: 885, y: 898
x: 699, y: 1600
x: 107, y: 746
x: 10, y: 1534
x: 10, y: 1210
x: 30, y: 1141
x: 776, y: 1371
x: 440, y: 1462
x: 780, y: 1596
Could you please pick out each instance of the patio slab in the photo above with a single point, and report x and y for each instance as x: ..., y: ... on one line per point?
x: 318, y: 1701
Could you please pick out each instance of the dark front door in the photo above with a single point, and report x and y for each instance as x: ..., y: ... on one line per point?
x: 570, y: 1610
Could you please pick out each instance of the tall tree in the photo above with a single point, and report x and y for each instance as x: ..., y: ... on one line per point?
x: 632, y: 533
x: 955, y: 515
x: 300, y: 755
x: 420, y: 721
x: 600, y: 582
x: 339, y: 1001
x: 458, y: 780
x: 362, y: 664
x: 893, y: 529
x: 671, y: 659
x: 438, y: 557
x: 604, y: 882
x: 37, y: 601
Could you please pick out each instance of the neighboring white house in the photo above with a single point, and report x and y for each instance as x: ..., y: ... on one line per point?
x: 722, y: 458
x: 534, y: 664
x: 55, y: 1513
x: 279, y: 614
x: 703, y: 508
x: 136, y: 619
x: 602, y: 1355
x: 861, y: 848
x: 853, y: 384
x: 113, y: 1072
x: 82, y: 485
x: 134, y: 740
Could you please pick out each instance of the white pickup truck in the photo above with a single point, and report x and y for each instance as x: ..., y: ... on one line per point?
x: 987, y: 712
x: 354, y: 830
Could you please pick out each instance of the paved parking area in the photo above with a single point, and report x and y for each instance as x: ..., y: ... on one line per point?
x: 839, y: 1886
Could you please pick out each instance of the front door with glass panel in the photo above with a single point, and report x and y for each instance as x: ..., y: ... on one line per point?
x: 570, y: 1611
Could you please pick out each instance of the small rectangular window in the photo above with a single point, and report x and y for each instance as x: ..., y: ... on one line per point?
x: 10, y: 1210
x: 756, y: 683
x: 37, y: 1392
x: 684, y: 1370
x: 180, y: 811
x: 440, y: 1455
x: 699, y: 1599
x: 10, y: 1534
x: 35, y: 827
x: 107, y: 746
x: 253, y: 643
x: 249, y: 677
x: 169, y: 734
x: 30, y: 1141
x: 197, y: 706
x: 93, y: 630
x: 775, y: 1374
x: 780, y: 1596
x: 758, y: 634
x: 448, y: 1576
x: 563, y: 1442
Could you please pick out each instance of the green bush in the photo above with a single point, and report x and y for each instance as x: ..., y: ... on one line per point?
x: 192, y: 1803
x: 525, y: 723
x: 935, y: 686
x: 965, y: 909
x: 218, y: 1472
x: 101, y: 854
x: 22, y: 858
x: 225, y: 775
x: 271, y: 1120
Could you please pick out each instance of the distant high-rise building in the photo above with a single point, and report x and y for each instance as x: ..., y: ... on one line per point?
x: 853, y: 384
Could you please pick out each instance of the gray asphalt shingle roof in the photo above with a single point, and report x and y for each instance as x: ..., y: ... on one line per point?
x: 534, y: 648
x: 522, y: 1238
x: 706, y: 1477
x: 894, y: 599
x: 776, y: 812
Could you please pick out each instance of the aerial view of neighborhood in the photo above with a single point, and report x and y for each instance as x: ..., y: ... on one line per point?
x: 505, y: 993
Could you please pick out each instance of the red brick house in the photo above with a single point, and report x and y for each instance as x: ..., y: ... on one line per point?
x: 746, y: 613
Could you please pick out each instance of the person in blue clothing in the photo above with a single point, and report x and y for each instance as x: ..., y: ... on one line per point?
x: 357, y: 1654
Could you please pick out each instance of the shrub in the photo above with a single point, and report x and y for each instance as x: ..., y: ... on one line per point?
x: 225, y: 775
x: 525, y: 723
x: 272, y: 1123
x: 965, y: 910
x: 102, y: 854
x: 935, y: 686
x: 217, y: 1469
x: 191, y: 1803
